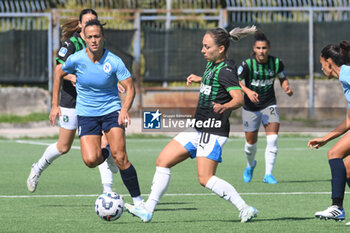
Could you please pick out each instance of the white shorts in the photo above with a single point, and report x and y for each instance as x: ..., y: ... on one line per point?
x: 202, y: 144
x: 68, y: 118
x: 252, y: 120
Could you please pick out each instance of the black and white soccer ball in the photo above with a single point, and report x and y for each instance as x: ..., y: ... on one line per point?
x: 109, y: 206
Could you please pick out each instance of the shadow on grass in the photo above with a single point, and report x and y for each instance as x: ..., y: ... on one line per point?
x: 303, y: 181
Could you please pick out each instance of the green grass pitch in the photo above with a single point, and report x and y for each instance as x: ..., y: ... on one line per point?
x: 64, y: 199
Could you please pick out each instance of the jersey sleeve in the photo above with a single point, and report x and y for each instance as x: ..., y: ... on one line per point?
x: 69, y: 65
x: 281, y: 74
x: 243, y: 71
x: 228, y: 78
x: 67, y: 49
x: 122, y: 72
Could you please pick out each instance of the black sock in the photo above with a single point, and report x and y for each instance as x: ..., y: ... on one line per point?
x: 338, y: 180
x: 348, y: 181
x: 105, y: 153
x: 338, y: 202
x: 129, y: 178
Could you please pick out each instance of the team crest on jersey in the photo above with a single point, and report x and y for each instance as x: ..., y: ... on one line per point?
x: 107, y: 67
x: 240, y: 69
x: 62, y: 52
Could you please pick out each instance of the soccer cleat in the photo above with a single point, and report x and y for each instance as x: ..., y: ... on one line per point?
x: 248, y: 213
x: 348, y: 224
x: 33, y: 179
x: 139, y: 211
x: 270, y: 179
x: 248, y: 173
x: 110, y: 161
x: 332, y: 212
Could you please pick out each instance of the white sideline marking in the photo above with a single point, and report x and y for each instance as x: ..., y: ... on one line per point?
x: 227, y: 149
x: 170, y: 194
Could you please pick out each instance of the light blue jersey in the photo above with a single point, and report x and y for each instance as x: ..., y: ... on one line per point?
x: 96, y: 82
x: 344, y: 78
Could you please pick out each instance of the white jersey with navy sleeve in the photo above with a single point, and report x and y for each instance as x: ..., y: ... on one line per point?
x: 344, y: 78
x: 96, y: 82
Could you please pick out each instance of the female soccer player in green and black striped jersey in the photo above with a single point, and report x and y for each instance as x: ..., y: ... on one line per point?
x: 72, y: 41
x: 259, y: 73
x: 220, y: 93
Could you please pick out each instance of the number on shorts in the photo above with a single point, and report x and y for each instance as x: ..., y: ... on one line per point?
x: 273, y: 110
x: 204, y: 139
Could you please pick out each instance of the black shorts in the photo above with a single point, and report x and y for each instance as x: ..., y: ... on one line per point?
x: 95, y: 125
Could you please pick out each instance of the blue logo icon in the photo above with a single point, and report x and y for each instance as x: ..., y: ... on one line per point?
x: 151, y: 120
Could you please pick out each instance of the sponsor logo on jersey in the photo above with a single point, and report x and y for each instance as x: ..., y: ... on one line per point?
x: 205, y: 89
x: 262, y: 83
x: 107, y: 67
x: 63, y: 51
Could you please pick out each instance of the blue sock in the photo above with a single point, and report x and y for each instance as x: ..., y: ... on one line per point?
x: 129, y: 178
x: 105, y: 153
x: 338, y: 172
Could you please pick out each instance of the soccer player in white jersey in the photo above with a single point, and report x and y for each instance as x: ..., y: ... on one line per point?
x: 99, y: 107
x: 72, y: 41
x: 335, y: 60
x: 259, y: 73
x: 220, y: 93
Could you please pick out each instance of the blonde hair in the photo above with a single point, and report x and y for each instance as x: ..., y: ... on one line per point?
x: 238, y: 33
x: 222, y: 38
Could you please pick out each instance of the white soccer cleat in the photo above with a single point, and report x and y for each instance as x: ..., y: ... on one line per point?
x: 33, y: 179
x: 248, y: 213
x: 348, y: 224
x: 139, y: 211
x: 110, y: 161
x: 332, y: 212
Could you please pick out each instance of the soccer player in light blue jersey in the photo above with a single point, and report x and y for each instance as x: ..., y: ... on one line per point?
x: 335, y: 60
x: 72, y: 41
x: 98, y: 104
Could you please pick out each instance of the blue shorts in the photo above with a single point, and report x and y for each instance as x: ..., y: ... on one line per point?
x: 95, y: 125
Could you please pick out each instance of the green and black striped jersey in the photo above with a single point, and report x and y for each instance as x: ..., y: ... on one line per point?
x: 70, y: 46
x: 218, y: 79
x: 260, y: 77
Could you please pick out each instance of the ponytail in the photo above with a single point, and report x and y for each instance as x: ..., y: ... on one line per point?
x: 238, y: 33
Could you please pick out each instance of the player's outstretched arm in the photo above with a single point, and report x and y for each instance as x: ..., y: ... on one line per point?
x: 55, y: 110
x: 124, y: 118
x: 343, y: 127
x: 192, y: 78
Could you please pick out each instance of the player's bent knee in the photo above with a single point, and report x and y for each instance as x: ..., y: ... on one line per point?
x: 91, y: 163
x: 63, y: 149
x: 334, y: 154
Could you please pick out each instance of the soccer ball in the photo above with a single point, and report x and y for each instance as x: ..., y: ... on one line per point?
x: 109, y: 206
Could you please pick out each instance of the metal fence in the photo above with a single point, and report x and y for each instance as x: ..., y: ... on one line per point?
x: 317, y: 24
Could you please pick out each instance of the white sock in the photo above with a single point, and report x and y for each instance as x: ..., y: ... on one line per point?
x: 137, y: 200
x: 250, y: 152
x: 226, y: 191
x: 160, y: 184
x: 270, y: 153
x: 106, y: 177
x: 51, y: 153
